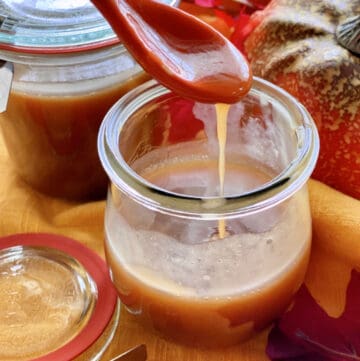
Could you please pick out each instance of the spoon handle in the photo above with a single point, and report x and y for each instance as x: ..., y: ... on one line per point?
x: 137, y: 353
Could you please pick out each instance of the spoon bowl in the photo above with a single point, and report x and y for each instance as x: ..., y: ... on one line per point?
x: 179, y: 50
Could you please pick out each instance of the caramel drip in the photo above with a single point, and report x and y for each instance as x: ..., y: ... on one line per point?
x: 221, y: 121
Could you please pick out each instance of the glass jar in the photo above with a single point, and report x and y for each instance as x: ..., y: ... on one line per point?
x: 169, y: 261
x: 69, y: 69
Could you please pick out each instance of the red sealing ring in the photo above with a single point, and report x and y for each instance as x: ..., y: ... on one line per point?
x: 59, y: 50
x: 98, y: 271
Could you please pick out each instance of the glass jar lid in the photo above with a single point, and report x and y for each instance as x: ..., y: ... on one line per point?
x: 58, y: 301
x: 54, y: 26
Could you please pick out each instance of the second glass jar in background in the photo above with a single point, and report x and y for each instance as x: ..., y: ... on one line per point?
x: 170, y: 263
x: 69, y: 69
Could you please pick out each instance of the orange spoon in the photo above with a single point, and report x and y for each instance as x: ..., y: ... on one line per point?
x: 183, y: 53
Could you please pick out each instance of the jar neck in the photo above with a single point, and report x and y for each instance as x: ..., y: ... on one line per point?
x: 73, y: 73
x: 292, y: 177
x: 63, y: 59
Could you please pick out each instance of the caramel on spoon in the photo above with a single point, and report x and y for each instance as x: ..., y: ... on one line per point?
x: 182, y: 52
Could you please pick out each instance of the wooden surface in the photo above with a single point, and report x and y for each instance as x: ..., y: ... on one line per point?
x: 24, y: 210
x: 130, y: 333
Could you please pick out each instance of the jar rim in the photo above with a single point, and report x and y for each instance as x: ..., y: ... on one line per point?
x: 278, y: 189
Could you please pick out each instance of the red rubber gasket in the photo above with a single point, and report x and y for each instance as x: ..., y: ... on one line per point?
x: 59, y: 50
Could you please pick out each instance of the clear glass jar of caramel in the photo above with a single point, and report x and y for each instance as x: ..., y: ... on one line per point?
x: 69, y: 69
x: 208, y: 225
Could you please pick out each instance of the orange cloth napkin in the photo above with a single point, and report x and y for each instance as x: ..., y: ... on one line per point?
x: 336, y: 228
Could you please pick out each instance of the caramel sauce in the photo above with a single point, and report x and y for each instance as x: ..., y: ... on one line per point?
x: 52, y: 139
x: 221, y: 122
x: 180, y: 314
